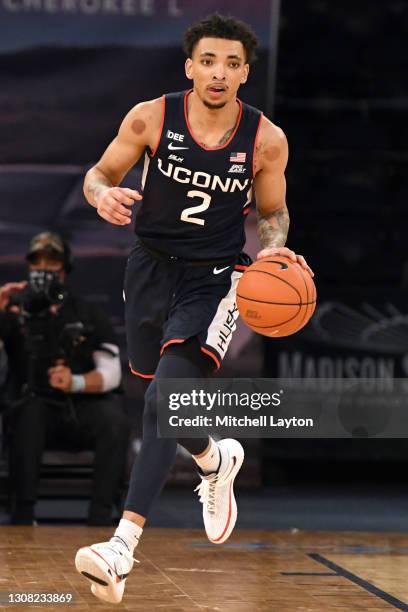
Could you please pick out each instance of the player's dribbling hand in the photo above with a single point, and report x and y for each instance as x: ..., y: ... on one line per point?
x: 285, y: 252
x: 113, y: 202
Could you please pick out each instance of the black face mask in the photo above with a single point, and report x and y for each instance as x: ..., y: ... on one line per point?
x: 44, y: 289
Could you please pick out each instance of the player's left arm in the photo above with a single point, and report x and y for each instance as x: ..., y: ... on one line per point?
x: 270, y: 190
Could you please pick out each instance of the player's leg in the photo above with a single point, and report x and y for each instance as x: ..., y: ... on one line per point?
x: 206, y: 308
x: 218, y: 462
x: 107, y: 564
x: 178, y: 361
x: 193, y: 318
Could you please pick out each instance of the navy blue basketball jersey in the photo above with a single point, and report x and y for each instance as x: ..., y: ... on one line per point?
x: 195, y: 199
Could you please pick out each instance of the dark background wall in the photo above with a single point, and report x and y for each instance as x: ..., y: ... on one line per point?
x: 342, y: 101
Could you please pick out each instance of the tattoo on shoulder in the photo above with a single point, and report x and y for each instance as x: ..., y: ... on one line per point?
x: 273, y: 228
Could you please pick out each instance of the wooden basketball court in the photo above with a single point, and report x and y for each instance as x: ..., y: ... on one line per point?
x: 181, y: 571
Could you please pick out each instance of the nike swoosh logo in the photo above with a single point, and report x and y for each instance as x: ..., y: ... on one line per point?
x: 283, y: 266
x: 173, y: 148
x: 218, y: 271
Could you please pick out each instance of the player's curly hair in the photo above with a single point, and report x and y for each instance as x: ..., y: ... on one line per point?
x: 220, y: 26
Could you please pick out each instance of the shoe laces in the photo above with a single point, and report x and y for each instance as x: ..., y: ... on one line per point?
x: 116, y: 548
x: 206, y: 492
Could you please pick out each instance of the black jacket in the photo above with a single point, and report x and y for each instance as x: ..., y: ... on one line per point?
x: 33, y: 345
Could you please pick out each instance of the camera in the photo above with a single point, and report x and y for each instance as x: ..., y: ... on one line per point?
x: 47, y: 338
x: 44, y: 288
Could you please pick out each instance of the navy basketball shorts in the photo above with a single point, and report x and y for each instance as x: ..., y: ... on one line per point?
x: 169, y: 300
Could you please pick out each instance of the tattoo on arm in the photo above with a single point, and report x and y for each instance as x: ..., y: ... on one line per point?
x: 273, y: 228
x: 94, y: 186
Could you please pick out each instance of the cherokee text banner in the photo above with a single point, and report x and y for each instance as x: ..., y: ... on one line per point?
x: 93, y: 23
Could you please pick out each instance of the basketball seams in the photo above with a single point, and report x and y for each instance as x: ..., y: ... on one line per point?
x: 313, y: 296
x: 299, y: 272
x: 276, y: 324
x: 299, y: 319
x: 243, y: 297
x: 275, y: 276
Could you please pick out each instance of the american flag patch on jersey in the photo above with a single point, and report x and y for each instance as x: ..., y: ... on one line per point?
x: 239, y: 158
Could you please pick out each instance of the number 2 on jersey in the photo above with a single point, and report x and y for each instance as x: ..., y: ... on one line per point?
x: 187, y: 212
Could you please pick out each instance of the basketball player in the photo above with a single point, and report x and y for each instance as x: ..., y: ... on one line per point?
x: 204, y: 151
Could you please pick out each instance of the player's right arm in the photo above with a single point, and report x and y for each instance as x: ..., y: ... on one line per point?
x: 140, y: 129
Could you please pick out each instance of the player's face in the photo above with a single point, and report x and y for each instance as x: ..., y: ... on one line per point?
x: 218, y: 68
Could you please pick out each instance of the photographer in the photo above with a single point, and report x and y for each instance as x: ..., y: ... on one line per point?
x: 64, y: 368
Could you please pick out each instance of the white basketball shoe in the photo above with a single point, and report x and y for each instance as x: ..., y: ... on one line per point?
x: 216, y: 492
x: 106, y: 566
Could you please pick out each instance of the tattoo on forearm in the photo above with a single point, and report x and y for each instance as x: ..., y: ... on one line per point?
x: 273, y: 228
x: 92, y: 190
x: 94, y: 187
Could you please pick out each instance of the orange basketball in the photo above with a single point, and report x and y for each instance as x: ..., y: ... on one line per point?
x: 276, y: 297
